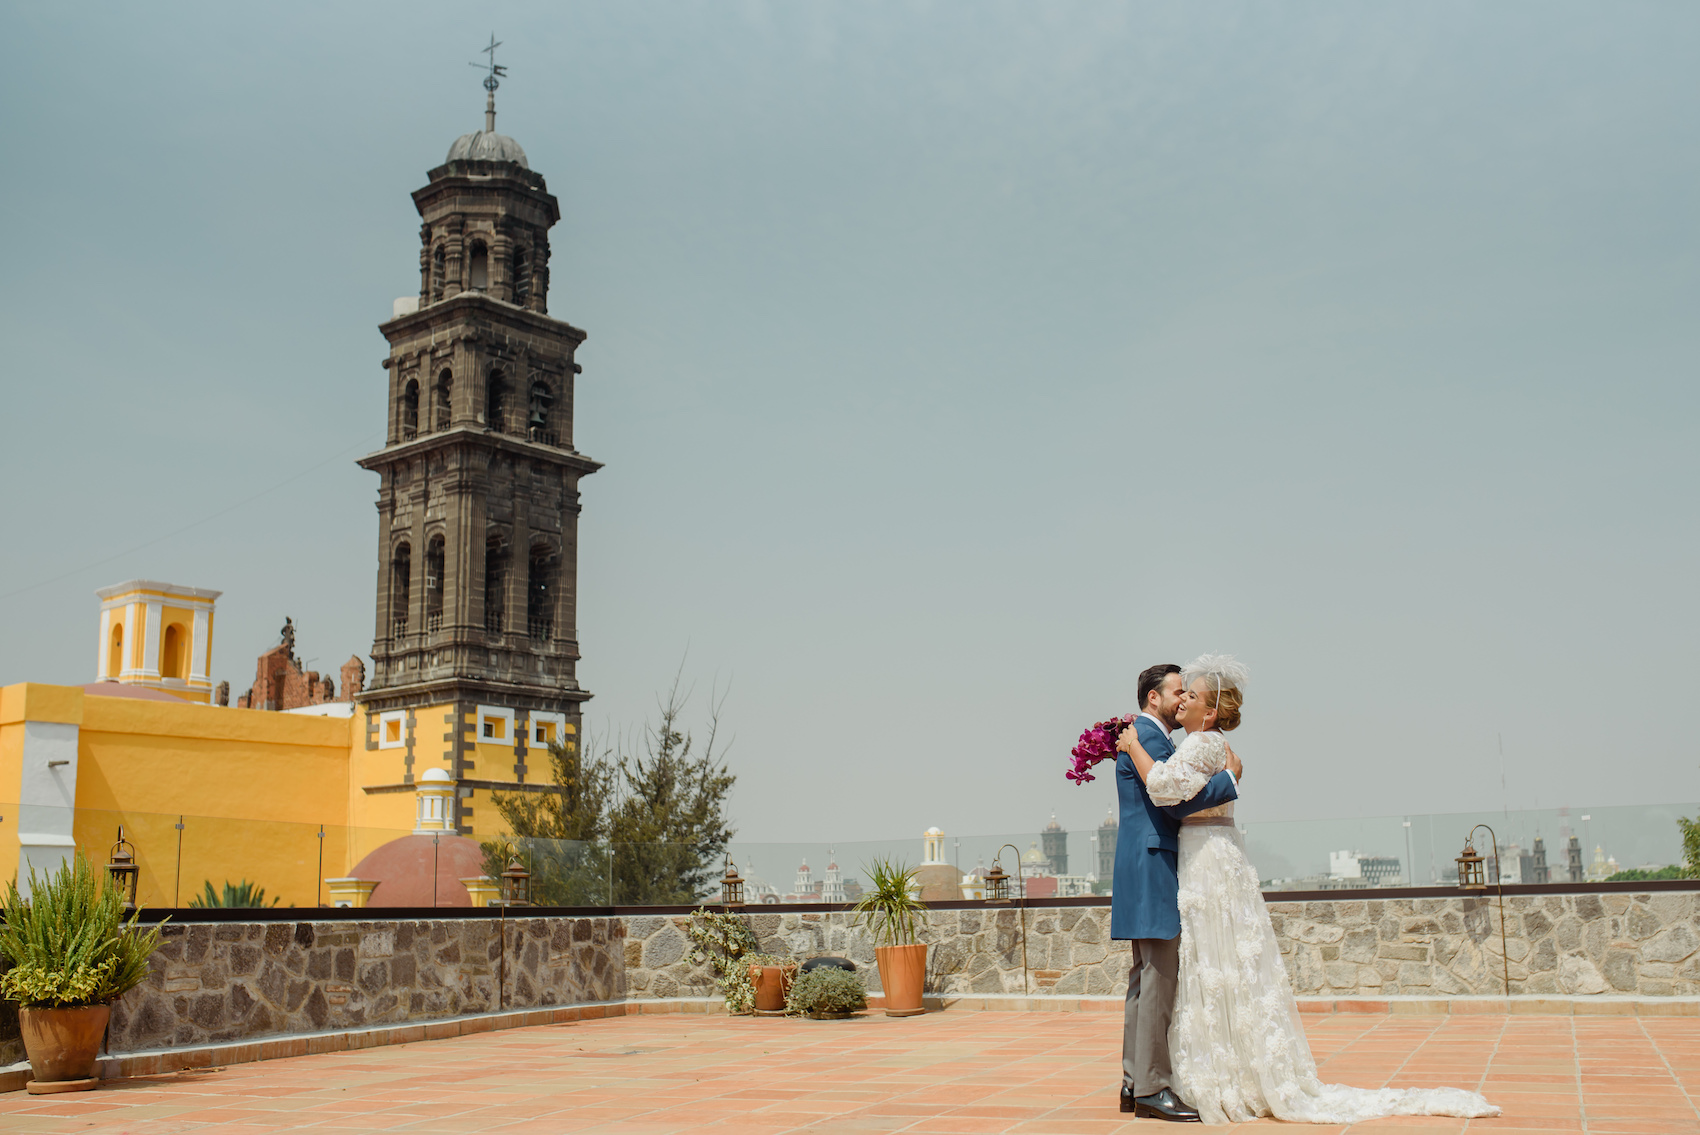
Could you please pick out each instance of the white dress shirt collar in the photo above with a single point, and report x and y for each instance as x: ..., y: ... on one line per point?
x: 1157, y: 721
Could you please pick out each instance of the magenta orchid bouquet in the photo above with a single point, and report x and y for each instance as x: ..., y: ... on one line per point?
x: 1096, y: 744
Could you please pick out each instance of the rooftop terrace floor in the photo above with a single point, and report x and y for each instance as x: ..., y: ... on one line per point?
x: 1042, y: 1073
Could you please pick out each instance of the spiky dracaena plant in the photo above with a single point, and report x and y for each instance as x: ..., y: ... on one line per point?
x: 890, y: 908
x: 69, y: 943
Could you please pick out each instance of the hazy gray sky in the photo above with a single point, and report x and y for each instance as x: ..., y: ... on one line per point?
x: 951, y: 363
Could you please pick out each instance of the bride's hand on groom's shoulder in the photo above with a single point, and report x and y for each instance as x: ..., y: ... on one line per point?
x: 1234, y: 765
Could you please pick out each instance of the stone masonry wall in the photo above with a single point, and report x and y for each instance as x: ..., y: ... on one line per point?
x: 973, y: 951
x: 1644, y: 944
x: 229, y: 981
x: 218, y: 982
x: 1624, y: 943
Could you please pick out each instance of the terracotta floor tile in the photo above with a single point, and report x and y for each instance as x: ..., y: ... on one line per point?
x: 940, y: 1074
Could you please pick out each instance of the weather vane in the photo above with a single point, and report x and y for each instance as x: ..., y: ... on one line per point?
x: 491, y: 81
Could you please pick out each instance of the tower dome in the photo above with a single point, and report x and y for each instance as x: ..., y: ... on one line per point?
x: 487, y: 146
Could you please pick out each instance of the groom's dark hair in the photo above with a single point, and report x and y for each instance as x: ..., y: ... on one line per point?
x: 1152, y: 676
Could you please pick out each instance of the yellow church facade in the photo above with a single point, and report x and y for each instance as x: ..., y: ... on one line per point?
x: 252, y: 789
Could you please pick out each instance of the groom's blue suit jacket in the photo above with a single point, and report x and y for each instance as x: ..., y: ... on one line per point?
x: 1144, y: 899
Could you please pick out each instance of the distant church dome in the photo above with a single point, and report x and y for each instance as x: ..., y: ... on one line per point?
x: 486, y: 146
x: 404, y: 869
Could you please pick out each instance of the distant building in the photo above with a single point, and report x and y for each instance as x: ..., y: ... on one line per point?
x: 974, y: 882
x: 1056, y: 846
x: 1537, y: 870
x: 1035, y: 864
x: 1603, y: 867
x: 936, y: 877
x: 1573, y: 858
x: 832, y: 887
x: 1353, y: 870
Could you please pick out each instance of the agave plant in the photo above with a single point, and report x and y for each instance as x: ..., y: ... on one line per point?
x: 890, y: 908
x: 235, y: 894
x: 69, y: 943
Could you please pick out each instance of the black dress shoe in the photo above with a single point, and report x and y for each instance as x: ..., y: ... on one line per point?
x: 1165, y: 1105
x: 1127, y: 1099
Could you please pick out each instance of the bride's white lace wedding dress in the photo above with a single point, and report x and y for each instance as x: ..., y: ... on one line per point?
x: 1238, y: 1048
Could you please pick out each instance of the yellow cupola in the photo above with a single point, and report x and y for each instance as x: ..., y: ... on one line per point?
x: 157, y: 635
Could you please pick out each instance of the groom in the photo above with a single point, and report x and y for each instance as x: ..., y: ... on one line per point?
x: 1144, y: 904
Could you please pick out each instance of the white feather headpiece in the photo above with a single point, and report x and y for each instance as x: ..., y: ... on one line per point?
x: 1224, y: 671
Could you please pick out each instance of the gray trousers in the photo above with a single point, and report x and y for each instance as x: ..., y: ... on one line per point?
x: 1150, y: 1004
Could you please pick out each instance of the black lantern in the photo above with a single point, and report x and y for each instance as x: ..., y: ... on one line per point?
x: 516, y: 884
x: 732, y: 888
x: 122, y: 867
x: 997, y: 884
x: 1470, y: 876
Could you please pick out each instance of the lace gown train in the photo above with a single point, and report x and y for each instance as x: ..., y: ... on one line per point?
x: 1238, y: 1048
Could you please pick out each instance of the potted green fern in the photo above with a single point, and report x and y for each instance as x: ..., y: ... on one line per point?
x: 890, y: 909
x: 72, y: 954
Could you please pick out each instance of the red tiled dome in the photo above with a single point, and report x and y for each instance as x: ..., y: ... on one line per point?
x: 403, y: 869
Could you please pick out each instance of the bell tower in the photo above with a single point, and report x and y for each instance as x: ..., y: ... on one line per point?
x: 478, y: 499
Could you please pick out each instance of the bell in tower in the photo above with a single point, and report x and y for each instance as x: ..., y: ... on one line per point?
x: 479, y: 495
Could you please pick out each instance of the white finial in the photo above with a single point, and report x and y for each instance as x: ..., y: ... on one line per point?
x: 491, y: 82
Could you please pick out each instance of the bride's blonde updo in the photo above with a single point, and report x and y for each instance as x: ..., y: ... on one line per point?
x: 1227, y: 706
x: 1224, y: 683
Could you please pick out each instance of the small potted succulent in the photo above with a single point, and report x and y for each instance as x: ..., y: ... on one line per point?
x: 72, y: 954
x: 827, y: 993
x: 891, y: 909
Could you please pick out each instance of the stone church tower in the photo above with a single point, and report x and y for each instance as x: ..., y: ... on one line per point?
x: 479, y: 496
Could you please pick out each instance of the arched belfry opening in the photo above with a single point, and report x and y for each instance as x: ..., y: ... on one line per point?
x: 537, y: 414
x: 483, y: 491
x: 410, y: 410
x: 522, y: 275
x: 436, y: 559
x: 401, y: 589
x: 442, y: 401
x: 496, y: 401
x: 478, y: 271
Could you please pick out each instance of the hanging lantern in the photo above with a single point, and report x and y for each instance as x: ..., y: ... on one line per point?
x: 997, y: 884
x: 124, y: 871
x: 1470, y: 874
x: 732, y: 888
x: 516, y: 884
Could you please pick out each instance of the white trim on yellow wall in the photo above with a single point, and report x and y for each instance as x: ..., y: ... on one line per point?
x: 502, y: 722
x: 398, y: 718
x: 539, y: 720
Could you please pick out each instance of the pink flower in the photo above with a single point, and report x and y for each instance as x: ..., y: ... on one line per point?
x: 1098, y: 743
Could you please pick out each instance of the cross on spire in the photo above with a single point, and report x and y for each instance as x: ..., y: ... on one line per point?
x: 492, y: 80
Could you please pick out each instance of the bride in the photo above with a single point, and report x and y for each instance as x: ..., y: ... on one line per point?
x: 1239, y: 1051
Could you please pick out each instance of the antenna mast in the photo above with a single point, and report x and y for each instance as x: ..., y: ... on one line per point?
x: 491, y: 82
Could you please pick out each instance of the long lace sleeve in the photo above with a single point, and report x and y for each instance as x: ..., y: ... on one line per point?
x: 1181, y: 777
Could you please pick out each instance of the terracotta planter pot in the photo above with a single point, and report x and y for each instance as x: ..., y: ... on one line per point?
x: 903, y: 975
x: 771, y: 983
x: 63, y: 1046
